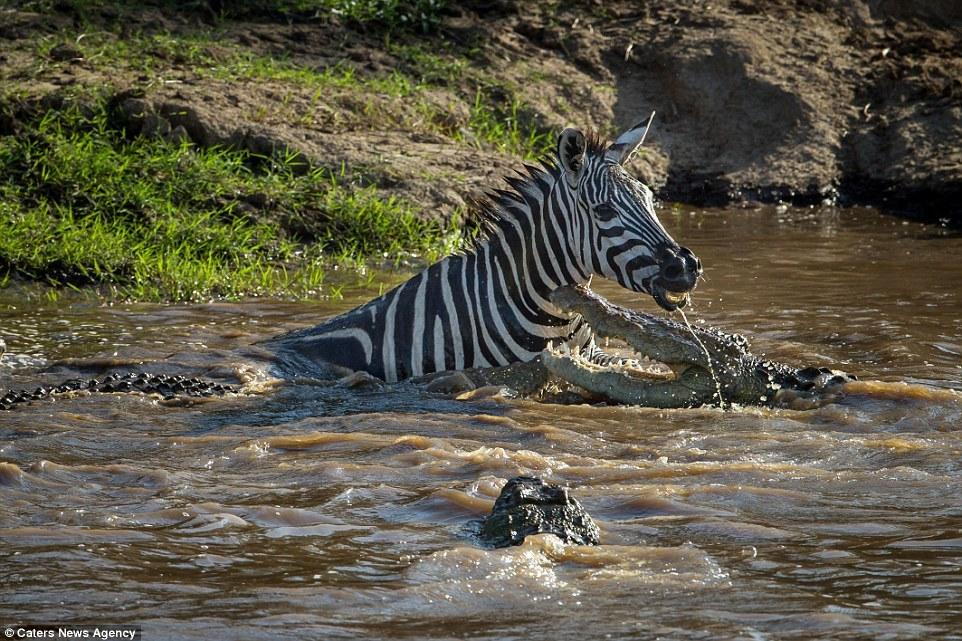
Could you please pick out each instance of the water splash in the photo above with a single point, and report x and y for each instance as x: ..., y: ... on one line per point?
x: 711, y: 368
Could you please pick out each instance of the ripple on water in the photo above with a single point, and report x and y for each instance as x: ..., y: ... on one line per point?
x: 545, y: 571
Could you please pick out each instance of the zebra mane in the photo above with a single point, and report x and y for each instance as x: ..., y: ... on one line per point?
x: 488, y: 210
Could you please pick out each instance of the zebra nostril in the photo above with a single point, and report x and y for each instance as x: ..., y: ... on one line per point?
x: 673, y: 270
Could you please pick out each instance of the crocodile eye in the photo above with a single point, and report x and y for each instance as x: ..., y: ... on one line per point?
x: 605, y: 212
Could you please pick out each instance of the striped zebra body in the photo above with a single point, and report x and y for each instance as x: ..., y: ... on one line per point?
x: 489, y: 306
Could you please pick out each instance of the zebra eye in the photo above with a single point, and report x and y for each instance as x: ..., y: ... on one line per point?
x: 605, y: 212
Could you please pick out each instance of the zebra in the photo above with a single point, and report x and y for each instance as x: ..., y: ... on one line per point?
x: 488, y: 305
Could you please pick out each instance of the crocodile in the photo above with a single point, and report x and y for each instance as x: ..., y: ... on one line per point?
x: 527, y: 505
x: 706, y: 366
x: 166, y: 386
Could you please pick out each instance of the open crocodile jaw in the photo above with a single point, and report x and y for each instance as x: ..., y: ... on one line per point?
x: 743, y: 377
x: 664, y: 341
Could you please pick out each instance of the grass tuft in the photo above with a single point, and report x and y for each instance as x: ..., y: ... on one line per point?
x: 388, y: 16
x: 405, y: 98
x: 508, y: 127
x: 148, y: 219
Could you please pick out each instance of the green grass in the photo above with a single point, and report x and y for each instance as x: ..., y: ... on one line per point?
x: 396, y: 99
x: 146, y: 219
x: 255, y: 67
x: 151, y: 220
x: 158, y: 53
x: 428, y: 67
x: 508, y: 128
x: 388, y: 16
x: 392, y: 16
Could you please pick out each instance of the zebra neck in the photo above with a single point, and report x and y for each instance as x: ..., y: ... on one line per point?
x: 536, y: 237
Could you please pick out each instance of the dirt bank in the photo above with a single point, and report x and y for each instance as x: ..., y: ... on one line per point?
x: 859, y: 102
x: 807, y: 101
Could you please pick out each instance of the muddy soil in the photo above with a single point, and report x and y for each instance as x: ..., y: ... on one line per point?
x: 856, y: 102
x: 796, y: 101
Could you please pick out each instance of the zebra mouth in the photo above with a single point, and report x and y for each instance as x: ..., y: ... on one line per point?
x: 677, y: 298
x: 669, y: 300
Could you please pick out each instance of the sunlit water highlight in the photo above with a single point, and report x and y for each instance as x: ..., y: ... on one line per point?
x: 319, y: 511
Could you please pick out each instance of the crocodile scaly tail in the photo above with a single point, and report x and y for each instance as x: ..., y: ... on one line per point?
x: 166, y: 386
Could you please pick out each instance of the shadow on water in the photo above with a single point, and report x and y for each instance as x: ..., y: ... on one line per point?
x: 292, y: 402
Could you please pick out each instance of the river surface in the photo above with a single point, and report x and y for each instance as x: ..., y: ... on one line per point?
x: 319, y: 511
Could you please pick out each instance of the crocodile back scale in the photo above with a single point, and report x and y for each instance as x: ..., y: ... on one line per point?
x: 578, y: 216
x: 166, y: 386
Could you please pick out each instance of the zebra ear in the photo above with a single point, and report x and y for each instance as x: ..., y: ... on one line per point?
x: 571, y: 154
x: 621, y: 150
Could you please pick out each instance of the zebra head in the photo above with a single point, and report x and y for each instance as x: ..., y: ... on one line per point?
x: 628, y: 244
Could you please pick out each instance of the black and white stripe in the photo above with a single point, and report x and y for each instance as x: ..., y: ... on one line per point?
x: 489, y: 305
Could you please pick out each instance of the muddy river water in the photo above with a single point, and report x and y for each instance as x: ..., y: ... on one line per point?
x: 317, y: 511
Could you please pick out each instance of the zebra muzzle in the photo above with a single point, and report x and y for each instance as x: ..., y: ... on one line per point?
x: 678, y: 273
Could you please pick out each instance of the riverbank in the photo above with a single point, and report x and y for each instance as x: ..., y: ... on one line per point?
x: 300, y: 134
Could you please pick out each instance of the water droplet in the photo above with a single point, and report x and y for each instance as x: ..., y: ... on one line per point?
x: 711, y: 368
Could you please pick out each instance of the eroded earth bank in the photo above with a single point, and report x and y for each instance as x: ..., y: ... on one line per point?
x: 849, y: 102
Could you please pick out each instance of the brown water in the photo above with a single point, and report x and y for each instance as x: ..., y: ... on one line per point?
x: 316, y: 511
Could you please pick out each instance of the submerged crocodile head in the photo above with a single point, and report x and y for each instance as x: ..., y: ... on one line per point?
x: 625, y: 241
